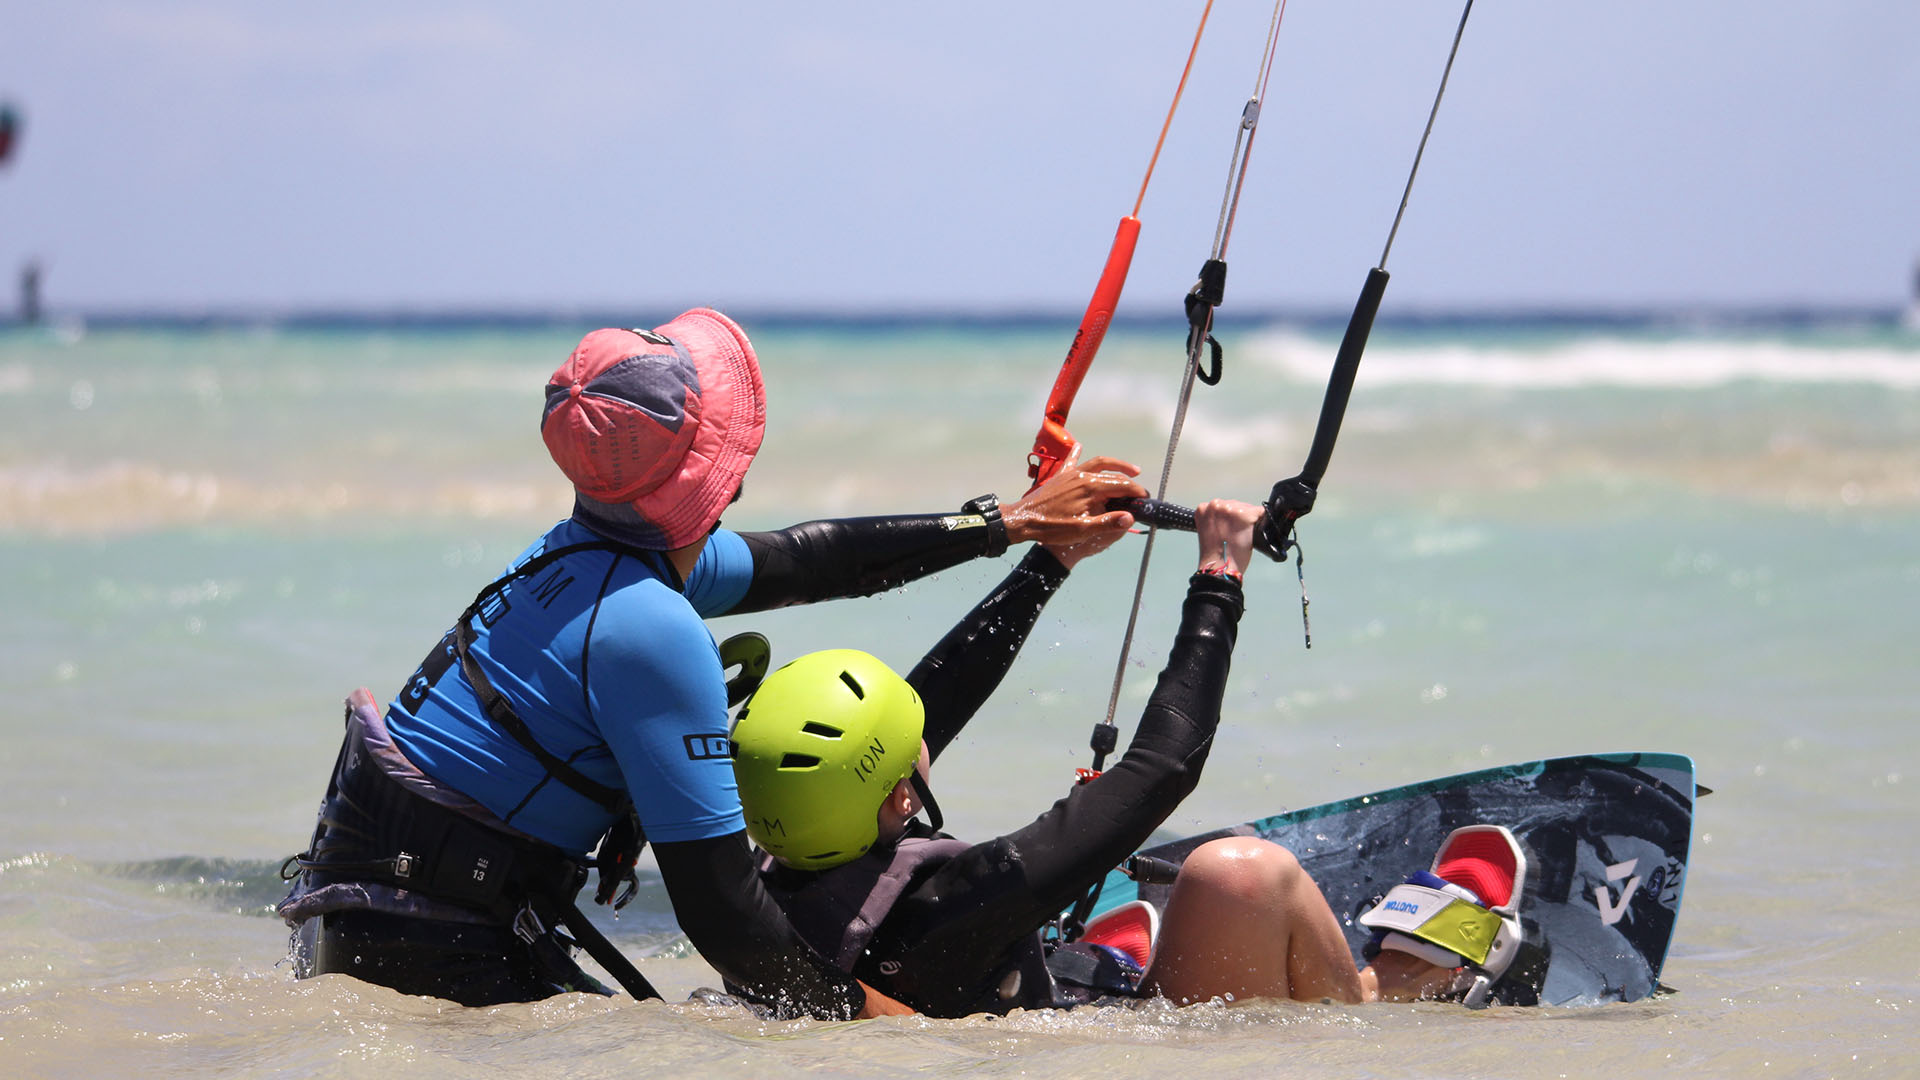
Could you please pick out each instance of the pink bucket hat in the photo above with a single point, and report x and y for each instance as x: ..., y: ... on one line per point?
x: 656, y: 427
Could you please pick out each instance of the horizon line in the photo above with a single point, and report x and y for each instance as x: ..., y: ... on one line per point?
x: 984, y: 317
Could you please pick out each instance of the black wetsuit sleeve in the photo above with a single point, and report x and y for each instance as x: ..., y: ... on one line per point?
x: 956, y: 928
x: 729, y: 916
x: 958, y: 675
x: 822, y: 560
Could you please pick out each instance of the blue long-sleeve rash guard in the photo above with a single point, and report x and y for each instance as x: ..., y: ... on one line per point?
x: 613, y: 669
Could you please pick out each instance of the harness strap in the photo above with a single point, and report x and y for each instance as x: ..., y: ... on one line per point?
x: 611, y: 799
x: 1096, y: 967
x: 374, y: 828
x: 602, y: 950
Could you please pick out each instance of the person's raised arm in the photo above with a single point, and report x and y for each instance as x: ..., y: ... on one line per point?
x: 962, y: 671
x: 1031, y: 874
x: 821, y: 560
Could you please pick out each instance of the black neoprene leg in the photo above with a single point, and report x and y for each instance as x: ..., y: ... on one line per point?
x: 466, y: 963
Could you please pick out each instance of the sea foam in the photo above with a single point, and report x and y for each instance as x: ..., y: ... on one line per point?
x: 1624, y: 362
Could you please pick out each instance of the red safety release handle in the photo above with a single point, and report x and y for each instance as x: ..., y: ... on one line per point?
x: 1054, y: 444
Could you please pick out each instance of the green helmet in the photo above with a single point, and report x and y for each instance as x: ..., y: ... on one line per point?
x: 817, y: 749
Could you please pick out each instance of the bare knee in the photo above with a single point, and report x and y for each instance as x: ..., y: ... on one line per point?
x: 1242, y: 866
x: 1243, y: 917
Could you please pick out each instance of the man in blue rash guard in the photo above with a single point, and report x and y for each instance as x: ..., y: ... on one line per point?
x: 581, y: 699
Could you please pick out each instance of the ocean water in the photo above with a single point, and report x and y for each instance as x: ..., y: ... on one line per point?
x: 1534, y: 540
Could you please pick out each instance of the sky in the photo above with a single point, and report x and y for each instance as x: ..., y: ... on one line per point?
x: 837, y: 156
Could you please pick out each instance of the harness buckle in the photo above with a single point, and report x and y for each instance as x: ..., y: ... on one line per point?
x: 527, y: 926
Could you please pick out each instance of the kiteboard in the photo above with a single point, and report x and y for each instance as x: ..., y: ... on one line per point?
x: 1606, y: 837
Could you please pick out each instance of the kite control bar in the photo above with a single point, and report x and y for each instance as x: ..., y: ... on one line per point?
x: 1292, y: 498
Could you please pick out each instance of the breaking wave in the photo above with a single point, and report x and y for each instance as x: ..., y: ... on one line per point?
x: 1620, y: 362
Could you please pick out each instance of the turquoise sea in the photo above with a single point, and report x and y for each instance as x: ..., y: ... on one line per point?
x: 1537, y: 538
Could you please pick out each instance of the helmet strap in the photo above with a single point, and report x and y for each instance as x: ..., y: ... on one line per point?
x: 925, y: 795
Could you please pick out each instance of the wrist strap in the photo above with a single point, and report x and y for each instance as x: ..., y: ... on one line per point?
x: 988, y: 507
x: 1222, y: 570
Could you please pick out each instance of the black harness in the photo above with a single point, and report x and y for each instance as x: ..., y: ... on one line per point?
x: 374, y: 828
x: 497, y: 708
x: 620, y: 849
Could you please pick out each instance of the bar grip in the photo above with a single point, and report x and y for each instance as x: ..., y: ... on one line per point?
x: 1165, y: 515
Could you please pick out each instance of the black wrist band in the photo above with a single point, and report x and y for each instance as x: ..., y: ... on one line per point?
x: 988, y: 507
x: 1222, y: 588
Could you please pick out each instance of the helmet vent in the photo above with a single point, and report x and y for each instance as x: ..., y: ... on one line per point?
x: 799, y: 761
x: 847, y: 677
x: 812, y: 727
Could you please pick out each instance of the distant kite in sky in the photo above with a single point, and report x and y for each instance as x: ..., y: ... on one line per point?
x: 9, y: 127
